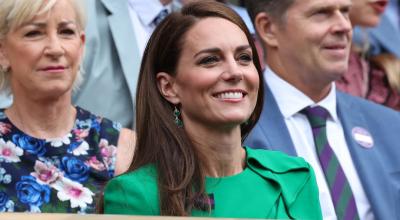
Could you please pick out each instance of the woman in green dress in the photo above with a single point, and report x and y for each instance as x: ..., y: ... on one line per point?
x: 200, y: 92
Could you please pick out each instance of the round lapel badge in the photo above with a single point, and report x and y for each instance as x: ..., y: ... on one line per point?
x: 362, y: 137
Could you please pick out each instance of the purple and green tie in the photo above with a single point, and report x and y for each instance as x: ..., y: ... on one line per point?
x: 342, y: 196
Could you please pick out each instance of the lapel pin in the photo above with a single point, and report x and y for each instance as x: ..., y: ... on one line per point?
x: 362, y: 137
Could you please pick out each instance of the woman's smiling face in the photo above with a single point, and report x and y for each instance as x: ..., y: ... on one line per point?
x: 216, y: 82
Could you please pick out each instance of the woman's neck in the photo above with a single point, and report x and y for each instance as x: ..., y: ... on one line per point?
x: 220, y: 150
x: 42, y: 118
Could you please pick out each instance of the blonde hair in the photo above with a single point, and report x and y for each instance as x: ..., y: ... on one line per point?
x: 14, y: 13
x: 391, y: 66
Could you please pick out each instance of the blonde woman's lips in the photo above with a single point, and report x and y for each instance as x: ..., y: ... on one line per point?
x: 53, y: 69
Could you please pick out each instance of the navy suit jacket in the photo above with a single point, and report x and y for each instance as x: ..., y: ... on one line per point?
x: 378, y: 167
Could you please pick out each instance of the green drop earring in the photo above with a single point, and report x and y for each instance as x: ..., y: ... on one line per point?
x: 177, y: 120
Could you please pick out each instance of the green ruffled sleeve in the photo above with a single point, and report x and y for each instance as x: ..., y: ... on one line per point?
x: 294, y: 178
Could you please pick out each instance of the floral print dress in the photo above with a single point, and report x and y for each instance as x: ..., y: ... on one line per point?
x: 64, y: 175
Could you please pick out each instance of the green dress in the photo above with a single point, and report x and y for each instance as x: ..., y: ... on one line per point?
x: 273, y: 185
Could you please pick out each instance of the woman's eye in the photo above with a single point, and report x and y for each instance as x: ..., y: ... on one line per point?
x: 67, y: 32
x: 209, y: 60
x: 245, y: 57
x: 32, y: 33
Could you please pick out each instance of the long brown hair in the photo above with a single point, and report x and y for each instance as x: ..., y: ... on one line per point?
x: 160, y: 142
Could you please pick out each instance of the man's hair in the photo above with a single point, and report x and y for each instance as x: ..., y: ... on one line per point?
x: 275, y: 8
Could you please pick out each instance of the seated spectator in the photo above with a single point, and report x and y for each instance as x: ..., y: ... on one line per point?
x: 199, y: 94
x: 54, y: 157
x: 375, y: 78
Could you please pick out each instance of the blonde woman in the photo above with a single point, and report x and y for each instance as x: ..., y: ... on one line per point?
x: 54, y: 157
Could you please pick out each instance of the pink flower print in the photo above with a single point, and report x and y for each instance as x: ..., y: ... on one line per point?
x: 5, y: 128
x: 76, y: 193
x: 9, y: 152
x: 81, y: 134
x: 45, y: 174
x: 107, y: 151
x: 95, y: 164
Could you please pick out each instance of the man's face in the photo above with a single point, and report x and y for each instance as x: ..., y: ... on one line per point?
x: 313, y: 42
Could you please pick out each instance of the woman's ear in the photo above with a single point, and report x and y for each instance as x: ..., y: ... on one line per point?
x: 167, y: 87
x: 266, y: 29
x: 4, y: 63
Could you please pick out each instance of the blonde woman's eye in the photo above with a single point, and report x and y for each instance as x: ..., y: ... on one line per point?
x: 68, y: 32
x: 31, y: 34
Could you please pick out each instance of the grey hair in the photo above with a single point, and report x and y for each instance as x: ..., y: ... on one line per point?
x: 14, y: 13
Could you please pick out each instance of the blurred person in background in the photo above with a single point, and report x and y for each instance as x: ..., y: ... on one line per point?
x: 377, y: 77
x: 384, y: 37
x: 117, y: 33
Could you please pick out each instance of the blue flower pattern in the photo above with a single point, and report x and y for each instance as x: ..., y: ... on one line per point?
x: 30, y: 192
x: 29, y: 144
x: 3, y: 201
x: 75, y: 169
x: 22, y: 191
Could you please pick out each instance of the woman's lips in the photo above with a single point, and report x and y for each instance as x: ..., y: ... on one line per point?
x: 53, y: 69
x: 379, y: 6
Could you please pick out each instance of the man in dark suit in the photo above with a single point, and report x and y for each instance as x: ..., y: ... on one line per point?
x: 307, y: 45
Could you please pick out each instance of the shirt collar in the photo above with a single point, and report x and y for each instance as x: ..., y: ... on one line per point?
x: 291, y: 100
x: 148, y: 10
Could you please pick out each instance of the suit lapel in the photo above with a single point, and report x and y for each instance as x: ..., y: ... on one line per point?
x: 366, y: 161
x: 273, y: 125
x: 125, y: 41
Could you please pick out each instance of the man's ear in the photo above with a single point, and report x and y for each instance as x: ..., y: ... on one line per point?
x: 167, y: 87
x: 266, y: 29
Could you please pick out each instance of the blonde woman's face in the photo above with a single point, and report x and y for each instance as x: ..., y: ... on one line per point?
x: 44, y: 54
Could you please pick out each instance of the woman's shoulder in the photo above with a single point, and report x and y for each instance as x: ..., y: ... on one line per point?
x: 143, y: 175
x: 275, y: 161
x: 134, y: 192
x: 142, y: 180
x: 86, y: 115
x: 105, y: 129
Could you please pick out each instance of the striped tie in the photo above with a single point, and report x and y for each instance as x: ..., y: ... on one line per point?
x: 160, y: 17
x: 342, y: 196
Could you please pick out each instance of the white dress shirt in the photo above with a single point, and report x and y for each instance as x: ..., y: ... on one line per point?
x: 291, y: 101
x: 143, y: 13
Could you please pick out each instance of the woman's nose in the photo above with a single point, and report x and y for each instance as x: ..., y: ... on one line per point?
x: 233, y: 71
x: 54, y: 46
